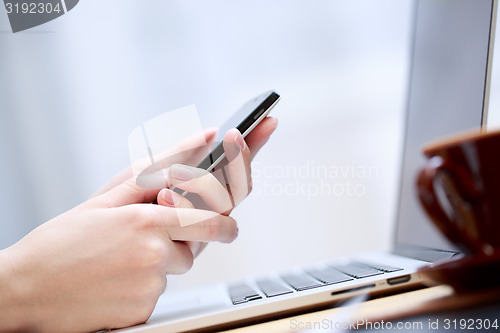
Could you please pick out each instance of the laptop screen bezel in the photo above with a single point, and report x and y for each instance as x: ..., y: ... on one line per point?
x: 420, y: 252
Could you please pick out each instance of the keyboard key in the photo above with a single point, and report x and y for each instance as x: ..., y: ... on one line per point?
x: 242, y: 293
x: 382, y: 267
x: 357, y: 270
x: 272, y: 288
x: 329, y: 275
x: 301, y: 281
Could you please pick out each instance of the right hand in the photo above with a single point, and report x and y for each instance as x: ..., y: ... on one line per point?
x: 101, y: 265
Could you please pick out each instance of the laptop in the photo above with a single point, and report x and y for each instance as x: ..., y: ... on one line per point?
x: 448, y: 92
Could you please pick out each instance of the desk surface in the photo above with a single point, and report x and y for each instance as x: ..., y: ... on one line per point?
x: 429, y: 306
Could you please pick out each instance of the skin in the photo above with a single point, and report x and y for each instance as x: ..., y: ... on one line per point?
x: 104, y: 263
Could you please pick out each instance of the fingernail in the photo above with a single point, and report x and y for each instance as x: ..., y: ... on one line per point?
x: 237, y: 232
x: 276, y: 124
x: 169, y: 198
x: 239, y: 141
x: 181, y: 173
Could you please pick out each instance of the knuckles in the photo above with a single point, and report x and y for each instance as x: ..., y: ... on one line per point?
x: 155, y: 252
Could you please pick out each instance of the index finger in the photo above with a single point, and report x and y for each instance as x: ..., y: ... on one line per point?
x: 207, y: 226
x: 184, y: 224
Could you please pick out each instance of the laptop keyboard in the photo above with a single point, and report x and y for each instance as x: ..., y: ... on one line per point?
x: 329, y: 275
x: 242, y: 293
x: 358, y: 271
x: 301, y: 281
x: 271, y: 288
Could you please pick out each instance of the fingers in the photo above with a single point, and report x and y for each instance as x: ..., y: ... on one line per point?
x: 120, y: 192
x: 126, y: 193
x: 180, y: 224
x: 179, y: 258
x: 208, y: 227
x: 154, y: 251
x: 203, y: 183
x: 255, y: 140
x: 189, y: 152
x: 260, y: 134
x: 188, y: 224
x: 169, y: 198
x: 238, y: 168
x: 236, y: 173
x: 193, y: 148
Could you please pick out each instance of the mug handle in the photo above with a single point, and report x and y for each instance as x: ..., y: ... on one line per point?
x: 431, y: 204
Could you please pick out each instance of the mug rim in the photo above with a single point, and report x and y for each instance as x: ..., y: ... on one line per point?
x: 459, y: 138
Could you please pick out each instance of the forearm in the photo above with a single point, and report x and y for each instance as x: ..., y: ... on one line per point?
x: 14, y: 312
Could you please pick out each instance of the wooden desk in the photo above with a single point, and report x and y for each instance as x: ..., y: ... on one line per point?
x: 425, y: 305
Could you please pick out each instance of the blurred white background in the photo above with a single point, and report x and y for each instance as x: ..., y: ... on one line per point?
x: 73, y: 89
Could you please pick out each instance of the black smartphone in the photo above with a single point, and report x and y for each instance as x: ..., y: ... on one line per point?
x: 245, y: 120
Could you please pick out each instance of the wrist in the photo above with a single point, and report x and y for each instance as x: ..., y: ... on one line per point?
x: 14, y: 310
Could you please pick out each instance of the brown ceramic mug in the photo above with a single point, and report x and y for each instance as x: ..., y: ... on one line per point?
x: 459, y: 188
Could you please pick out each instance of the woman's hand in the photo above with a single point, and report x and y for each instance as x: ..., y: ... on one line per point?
x: 184, y: 153
x: 223, y: 189
x: 102, y: 264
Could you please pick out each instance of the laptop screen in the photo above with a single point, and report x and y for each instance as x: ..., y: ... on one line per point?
x: 447, y: 93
